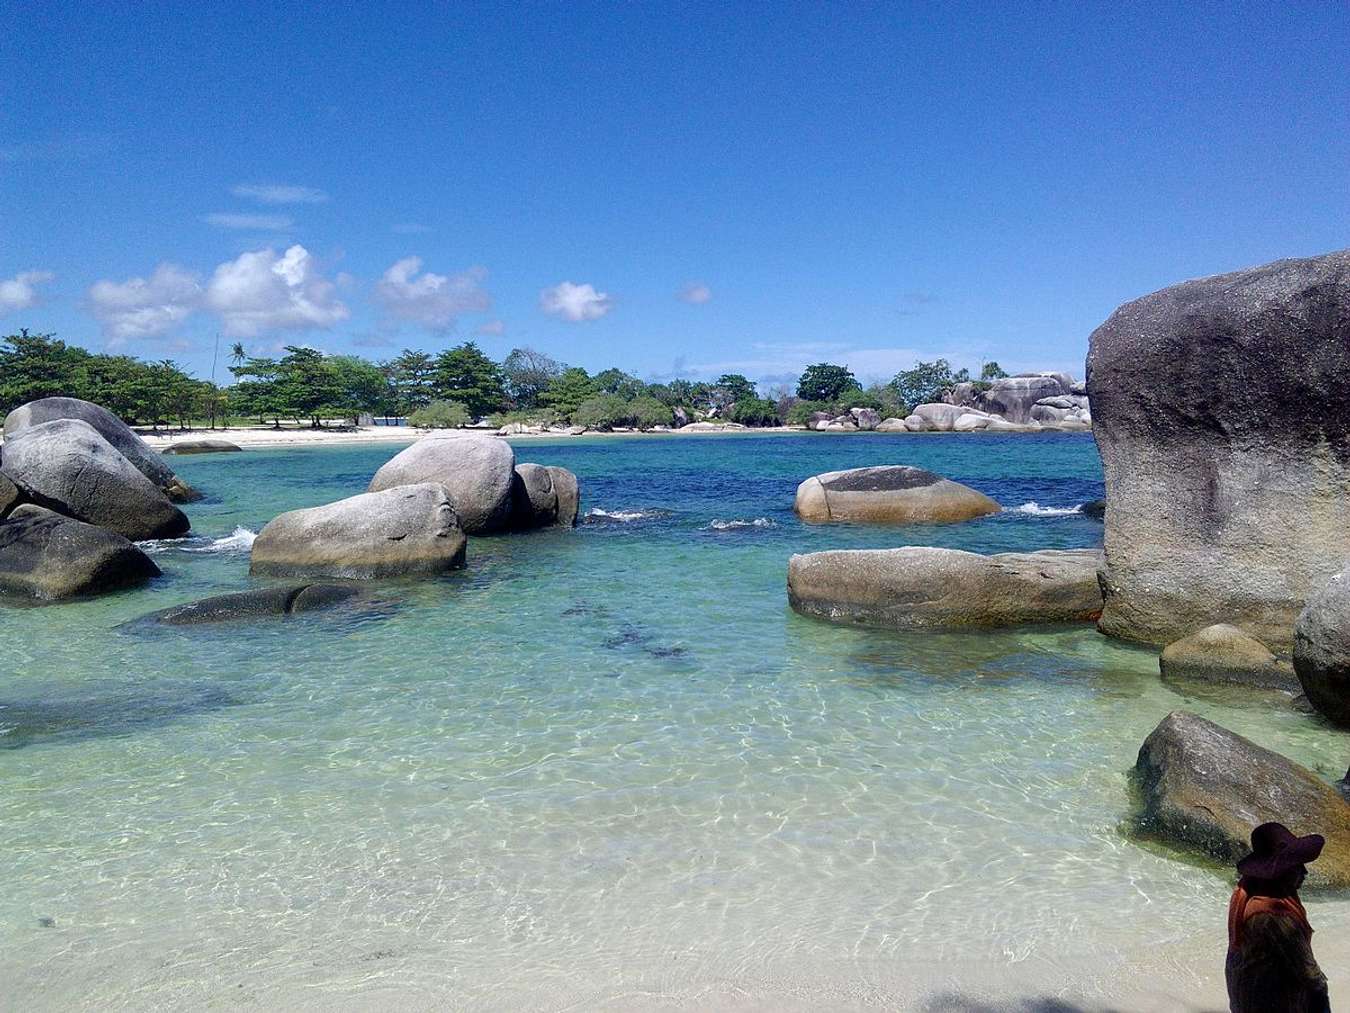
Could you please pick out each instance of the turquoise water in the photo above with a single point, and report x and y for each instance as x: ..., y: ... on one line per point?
x: 601, y: 767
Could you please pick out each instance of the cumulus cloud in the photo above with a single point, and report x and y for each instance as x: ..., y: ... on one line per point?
x: 277, y: 193
x: 145, y: 307
x: 21, y: 291
x: 260, y: 291
x: 575, y: 302
x: 695, y: 293
x: 432, y: 300
x: 264, y: 223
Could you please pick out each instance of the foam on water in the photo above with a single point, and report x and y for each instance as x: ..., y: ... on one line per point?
x: 623, y: 516
x: 1036, y: 510
x: 240, y: 540
x: 737, y: 525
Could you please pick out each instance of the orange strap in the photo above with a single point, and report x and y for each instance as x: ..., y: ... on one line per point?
x: 1243, y: 906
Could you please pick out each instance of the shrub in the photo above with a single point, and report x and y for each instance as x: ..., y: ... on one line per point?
x: 440, y: 415
x: 755, y: 411
x: 525, y: 416
x: 602, y: 412
x: 646, y: 412
x: 858, y: 398
x: 800, y: 413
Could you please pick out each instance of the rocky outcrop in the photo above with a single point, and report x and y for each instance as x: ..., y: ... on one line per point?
x: 927, y: 588
x: 68, y: 466
x: 1014, y: 397
x: 941, y: 418
x: 409, y: 530
x: 568, y: 490
x: 478, y: 471
x: 1205, y: 788
x: 10, y: 497
x: 971, y: 421
x: 866, y: 419
x: 256, y: 603
x: 202, y: 447
x: 892, y: 425
x: 1322, y: 649
x: 111, y: 428
x: 893, y: 494
x: 1224, y: 653
x: 47, y: 556
x: 1219, y: 411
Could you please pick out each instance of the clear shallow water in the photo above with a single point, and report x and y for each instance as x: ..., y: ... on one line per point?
x: 599, y: 767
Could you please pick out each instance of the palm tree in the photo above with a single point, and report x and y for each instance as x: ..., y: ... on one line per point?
x: 237, y: 353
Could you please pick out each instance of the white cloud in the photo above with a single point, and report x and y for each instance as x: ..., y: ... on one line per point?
x: 260, y: 291
x: 575, y: 302
x: 20, y: 292
x: 276, y: 193
x: 145, y: 307
x: 492, y: 329
x: 263, y: 223
x: 432, y: 300
x: 695, y: 293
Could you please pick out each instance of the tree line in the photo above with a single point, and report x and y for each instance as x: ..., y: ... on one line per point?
x: 452, y: 388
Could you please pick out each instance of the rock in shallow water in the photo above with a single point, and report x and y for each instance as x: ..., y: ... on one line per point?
x: 66, y: 465
x: 926, y: 588
x: 408, y: 530
x: 203, y: 447
x: 252, y: 604
x: 1224, y: 653
x: 47, y: 556
x: 478, y: 472
x: 892, y: 494
x: 1204, y: 787
x: 1219, y: 411
x: 1322, y: 650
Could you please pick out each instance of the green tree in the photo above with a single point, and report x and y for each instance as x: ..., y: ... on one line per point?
x: 527, y: 374
x: 568, y: 391
x: 603, y: 411
x: 616, y: 381
x: 466, y: 375
x: 365, y: 387
x: 825, y: 382
x: 307, y: 385
x: 413, y: 375
x: 34, y: 366
x: 440, y: 415
x: 991, y: 371
x: 646, y: 412
x: 736, y: 387
x: 755, y: 411
x: 926, y: 382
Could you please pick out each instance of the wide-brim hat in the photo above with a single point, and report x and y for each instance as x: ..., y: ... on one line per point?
x: 1276, y: 850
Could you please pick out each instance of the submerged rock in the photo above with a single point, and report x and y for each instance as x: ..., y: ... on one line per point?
x: 891, y: 494
x: 408, y: 530
x: 1224, y: 653
x: 1322, y: 649
x: 202, y: 447
x: 919, y: 587
x: 269, y: 601
x: 1206, y: 788
x: 1219, y: 410
x: 478, y: 472
x: 120, y: 435
x: 47, y: 556
x: 66, y: 465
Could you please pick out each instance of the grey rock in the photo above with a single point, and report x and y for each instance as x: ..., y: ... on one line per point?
x: 202, y: 447
x: 892, y: 494
x: 68, y: 466
x: 1224, y: 653
x: 10, y: 497
x: 1013, y: 397
x: 47, y: 556
x: 256, y: 603
x: 1219, y: 411
x: 892, y: 425
x: 965, y: 395
x: 866, y: 419
x: 1205, y: 788
x: 477, y: 470
x: 927, y: 588
x: 407, y: 530
x: 122, y: 437
x: 1096, y: 509
x: 534, y: 501
x: 916, y: 423
x: 940, y: 417
x: 1322, y: 649
x: 970, y: 422
x: 568, y: 488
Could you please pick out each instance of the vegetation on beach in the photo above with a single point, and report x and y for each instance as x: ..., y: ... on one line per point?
x: 449, y: 389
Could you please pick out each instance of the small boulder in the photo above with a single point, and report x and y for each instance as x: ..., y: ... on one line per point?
x: 918, y: 587
x: 122, y: 437
x: 969, y: 422
x: 47, y: 556
x: 1224, y: 653
x: 1322, y: 649
x: 255, y: 603
x: 941, y: 417
x: 894, y: 494
x: 408, y: 530
x: 1095, y: 508
x: 892, y: 426
x: 68, y: 466
x: 866, y: 419
x: 1205, y: 788
x: 202, y: 447
x: 534, y: 501
x: 477, y: 470
x: 567, y: 487
x: 916, y: 423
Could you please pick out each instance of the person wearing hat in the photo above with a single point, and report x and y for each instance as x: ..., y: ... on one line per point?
x: 1270, y: 960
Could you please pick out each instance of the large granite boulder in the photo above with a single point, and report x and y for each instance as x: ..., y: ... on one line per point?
x: 45, y: 555
x: 866, y: 419
x: 1224, y: 653
x: 892, y: 425
x: 1322, y: 649
x: 256, y: 603
x: 1013, y: 397
x: 941, y: 418
x: 534, y: 501
x: 408, y: 530
x: 477, y: 470
x: 971, y: 421
x: 1205, y: 788
x: 1219, y: 410
x: 68, y: 466
x: 122, y: 437
x: 918, y: 587
x: 567, y: 487
x: 892, y: 494
x: 10, y: 497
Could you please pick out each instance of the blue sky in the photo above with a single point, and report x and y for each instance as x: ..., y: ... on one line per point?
x: 668, y: 188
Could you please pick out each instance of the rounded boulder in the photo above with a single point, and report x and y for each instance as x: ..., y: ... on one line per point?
x: 891, y: 494
x: 1322, y: 650
x: 477, y: 471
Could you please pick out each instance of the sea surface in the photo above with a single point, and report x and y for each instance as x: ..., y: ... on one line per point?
x: 599, y: 768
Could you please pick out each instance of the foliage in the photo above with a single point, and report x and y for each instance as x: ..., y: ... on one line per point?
x: 991, y: 371
x: 800, y: 413
x: 466, y: 375
x: 567, y: 392
x: 616, y: 381
x: 646, y: 412
x: 440, y: 415
x: 412, y: 375
x: 527, y: 374
x: 365, y: 387
x: 825, y: 382
x: 603, y: 411
x: 858, y: 398
x: 736, y: 388
x: 755, y: 411
x: 525, y: 416
x: 307, y: 385
x: 927, y: 382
